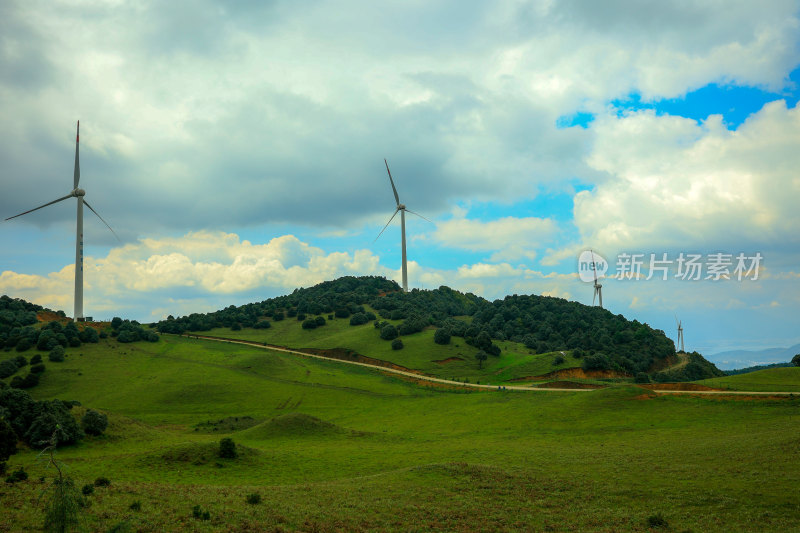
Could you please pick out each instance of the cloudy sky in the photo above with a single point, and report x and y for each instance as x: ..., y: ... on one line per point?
x: 237, y: 149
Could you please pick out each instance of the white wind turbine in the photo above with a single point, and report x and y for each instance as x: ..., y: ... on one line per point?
x: 680, y: 335
x: 402, y: 209
x: 78, y: 194
x: 598, y: 288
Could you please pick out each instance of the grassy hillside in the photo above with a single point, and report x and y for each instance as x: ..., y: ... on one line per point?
x: 781, y: 379
x: 420, y: 352
x: 331, y: 447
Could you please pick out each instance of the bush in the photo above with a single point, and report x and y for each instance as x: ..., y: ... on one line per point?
x: 301, y: 317
x: 37, y: 369
x: 278, y: 316
x: 227, y: 448
x: 135, y: 506
x: 442, y: 336
x: 94, y: 423
x: 342, y: 312
x: 17, y: 383
x: 358, y: 319
x: 56, y: 355
x: 657, y: 521
x: 200, y: 514
x: 388, y: 332
x: 102, y: 481
x: 18, y: 475
x: 558, y: 360
x: 24, y: 344
x: 8, y: 440
x: 36, y: 359
x: 320, y: 320
x: 642, y: 377
x: 53, y: 418
x: 397, y: 344
x: 20, y: 361
x: 796, y: 360
x: 8, y: 368
x: 254, y: 498
x: 30, y: 381
x: 309, y: 323
x: 87, y: 489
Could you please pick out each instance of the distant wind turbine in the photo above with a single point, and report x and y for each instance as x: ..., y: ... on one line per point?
x: 79, y: 194
x: 598, y: 289
x: 680, y: 335
x: 402, y: 209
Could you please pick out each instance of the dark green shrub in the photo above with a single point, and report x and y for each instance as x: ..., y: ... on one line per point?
x: 320, y: 320
x: 17, y: 382
x: 102, y: 481
x: 278, y: 316
x: 17, y: 475
x: 397, y: 344
x: 235, y: 327
x: 8, y: 368
x: 301, y: 317
x: 558, y: 360
x: 200, y: 514
x: 56, y: 355
x: 227, y: 448
x: 30, y: 381
x: 309, y: 323
x: 24, y: 344
x: 358, y: 319
x: 642, y: 377
x: 20, y: 361
x: 87, y: 489
x: 388, y: 332
x: 94, y: 423
x: 36, y: 359
x: 37, y: 369
x: 52, y: 418
x: 8, y: 440
x: 657, y: 521
x: 254, y: 498
x: 135, y: 506
x: 441, y: 336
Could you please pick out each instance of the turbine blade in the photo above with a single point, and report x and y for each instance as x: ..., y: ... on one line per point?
x: 77, y: 175
x: 420, y: 216
x: 394, y: 190
x: 387, y: 224
x: 101, y: 218
x: 594, y: 296
x: 70, y: 195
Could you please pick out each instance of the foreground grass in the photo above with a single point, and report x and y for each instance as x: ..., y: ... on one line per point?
x: 336, y: 448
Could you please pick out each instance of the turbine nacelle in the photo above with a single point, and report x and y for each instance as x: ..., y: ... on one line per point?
x: 401, y: 206
x: 78, y: 192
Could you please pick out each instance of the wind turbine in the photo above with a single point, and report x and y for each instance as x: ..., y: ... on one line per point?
x: 680, y: 335
x: 402, y: 209
x: 78, y: 194
x: 598, y: 288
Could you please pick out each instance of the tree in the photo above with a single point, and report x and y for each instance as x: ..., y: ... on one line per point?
x: 309, y: 323
x: 8, y: 368
x: 397, y: 344
x: 227, y: 448
x: 441, y: 336
x: 56, y: 354
x: 358, y: 319
x: 388, y: 332
x: 481, y: 356
x: 796, y: 360
x: 642, y: 377
x: 94, y: 423
x: 8, y: 440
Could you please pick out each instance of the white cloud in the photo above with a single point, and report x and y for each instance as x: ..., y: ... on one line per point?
x: 673, y: 183
x: 509, y: 238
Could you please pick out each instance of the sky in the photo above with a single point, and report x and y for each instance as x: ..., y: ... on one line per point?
x: 237, y: 149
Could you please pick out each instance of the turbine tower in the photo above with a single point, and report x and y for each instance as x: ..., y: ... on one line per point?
x: 680, y: 336
x: 402, y: 209
x: 78, y: 194
x: 598, y: 288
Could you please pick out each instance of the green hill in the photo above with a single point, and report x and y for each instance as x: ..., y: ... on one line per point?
x: 780, y: 379
x: 523, y: 336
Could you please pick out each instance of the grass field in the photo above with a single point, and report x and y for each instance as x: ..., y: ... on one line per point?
x: 331, y: 447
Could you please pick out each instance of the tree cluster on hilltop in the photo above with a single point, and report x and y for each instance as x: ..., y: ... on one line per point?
x: 342, y: 297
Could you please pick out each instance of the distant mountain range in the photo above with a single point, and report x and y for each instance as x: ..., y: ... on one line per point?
x: 746, y: 358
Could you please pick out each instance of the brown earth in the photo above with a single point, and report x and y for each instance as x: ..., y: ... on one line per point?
x: 448, y: 360
x: 575, y: 373
x: 569, y: 385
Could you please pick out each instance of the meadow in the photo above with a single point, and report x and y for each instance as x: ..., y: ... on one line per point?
x: 331, y: 447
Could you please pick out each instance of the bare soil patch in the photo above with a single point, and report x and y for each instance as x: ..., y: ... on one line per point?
x: 569, y: 385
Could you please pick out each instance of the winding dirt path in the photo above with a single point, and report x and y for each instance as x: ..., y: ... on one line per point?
x: 423, y: 377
